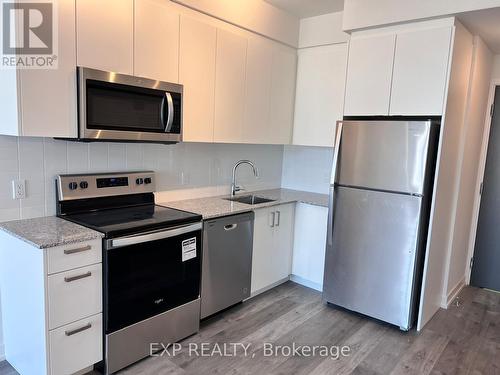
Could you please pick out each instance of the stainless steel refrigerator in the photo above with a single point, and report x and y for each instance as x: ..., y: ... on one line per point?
x: 380, y: 196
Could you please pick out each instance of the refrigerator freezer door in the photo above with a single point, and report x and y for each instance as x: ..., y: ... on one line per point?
x: 384, y: 155
x: 369, y: 267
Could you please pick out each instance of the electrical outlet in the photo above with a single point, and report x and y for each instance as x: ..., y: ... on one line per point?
x: 18, y: 189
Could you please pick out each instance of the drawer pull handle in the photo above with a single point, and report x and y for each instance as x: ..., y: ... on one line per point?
x: 230, y: 226
x: 77, y: 250
x: 78, y: 330
x: 77, y: 277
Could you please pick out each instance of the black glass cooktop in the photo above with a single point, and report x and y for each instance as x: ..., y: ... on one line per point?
x: 127, y: 220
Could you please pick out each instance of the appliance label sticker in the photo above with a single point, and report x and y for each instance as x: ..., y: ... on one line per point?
x: 189, y: 249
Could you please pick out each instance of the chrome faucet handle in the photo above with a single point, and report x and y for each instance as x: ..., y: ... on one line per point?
x: 238, y: 188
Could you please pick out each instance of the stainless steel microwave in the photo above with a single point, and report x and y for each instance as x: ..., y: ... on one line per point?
x: 119, y: 107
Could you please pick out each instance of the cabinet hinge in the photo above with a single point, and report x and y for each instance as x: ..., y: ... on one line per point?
x: 471, y: 263
x: 481, y: 189
x: 492, y: 108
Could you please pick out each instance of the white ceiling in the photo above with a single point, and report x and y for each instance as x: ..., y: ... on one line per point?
x: 308, y: 8
x: 486, y: 24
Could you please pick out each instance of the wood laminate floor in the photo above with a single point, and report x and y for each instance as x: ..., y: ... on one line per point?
x: 465, y: 339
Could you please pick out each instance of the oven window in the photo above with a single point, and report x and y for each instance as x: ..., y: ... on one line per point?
x: 112, y: 106
x: 147, y: 279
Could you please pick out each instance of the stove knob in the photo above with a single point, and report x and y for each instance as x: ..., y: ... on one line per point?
x: 139, y: 181
x: 147, y: 180
x: 73, y: 186
x: 84, y: 184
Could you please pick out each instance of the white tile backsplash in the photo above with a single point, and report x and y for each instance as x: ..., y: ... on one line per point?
x: 307, y: 168
x: 180, y: 166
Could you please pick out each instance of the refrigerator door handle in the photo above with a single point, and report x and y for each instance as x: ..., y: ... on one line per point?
x: 331, y: 199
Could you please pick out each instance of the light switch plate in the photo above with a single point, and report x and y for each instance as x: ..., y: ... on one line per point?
x: 18, y: 189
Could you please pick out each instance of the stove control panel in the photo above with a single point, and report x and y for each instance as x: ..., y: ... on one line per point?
x: 70, y: 187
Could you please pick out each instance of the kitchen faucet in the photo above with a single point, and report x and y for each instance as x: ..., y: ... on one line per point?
x: 234, y: 187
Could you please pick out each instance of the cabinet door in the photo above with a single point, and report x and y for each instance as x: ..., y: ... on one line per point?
x: 369, y: 73
x: 281, y: 258
x: 319, y: 99
x: 105, y: 34
x: 48, y: 96
x: 257, y: 95
x: 262, y: 267
x: 197, y: 74
x: 284, y: 71
x: 420, y: 72
x: 156, y: 40
x: 229, y: 86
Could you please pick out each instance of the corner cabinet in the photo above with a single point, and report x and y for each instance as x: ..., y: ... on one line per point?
x: 56, y: 327
x: 399, y: 72
x: 272, y: 246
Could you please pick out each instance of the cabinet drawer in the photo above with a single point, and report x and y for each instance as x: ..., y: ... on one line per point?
x: 63, y: 258
x: 74, y: 295
x: 76, y: 346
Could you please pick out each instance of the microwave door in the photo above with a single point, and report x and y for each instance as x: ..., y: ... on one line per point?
x: 125, y: 108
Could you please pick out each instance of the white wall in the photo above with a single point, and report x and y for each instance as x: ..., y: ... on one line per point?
x: 471, y: 151
x: 360, y: 14
x: 253, y: 15
x: 307, y: 168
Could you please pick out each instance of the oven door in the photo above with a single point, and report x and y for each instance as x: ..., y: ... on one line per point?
x: 121, y: 107
x: 150, y: 273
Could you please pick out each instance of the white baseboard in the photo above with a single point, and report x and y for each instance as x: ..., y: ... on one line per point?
x: 308, y: 283
x: 453, y: 294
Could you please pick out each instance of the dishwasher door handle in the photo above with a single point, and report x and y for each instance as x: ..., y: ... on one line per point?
x: 230, y: 226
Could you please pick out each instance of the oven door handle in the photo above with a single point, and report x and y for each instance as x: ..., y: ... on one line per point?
x: 151, y: 236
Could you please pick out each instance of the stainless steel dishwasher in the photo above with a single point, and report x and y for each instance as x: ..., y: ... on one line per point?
x: 226, y: 262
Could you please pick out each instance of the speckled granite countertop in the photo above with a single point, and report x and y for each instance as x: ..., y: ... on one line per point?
x: 50, y: 231
x: 211, y: 207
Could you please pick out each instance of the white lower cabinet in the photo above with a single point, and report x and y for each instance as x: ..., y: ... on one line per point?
x: 51, y: 306
x: 309, y: 245
x: 272, y: 246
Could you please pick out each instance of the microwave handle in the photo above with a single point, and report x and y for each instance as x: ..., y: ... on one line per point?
x: 170, y: 115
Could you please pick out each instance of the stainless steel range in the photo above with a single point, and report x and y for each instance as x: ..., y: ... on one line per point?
x: 151, y: 261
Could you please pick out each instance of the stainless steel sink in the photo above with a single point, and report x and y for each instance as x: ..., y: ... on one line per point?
x: 249, y: 199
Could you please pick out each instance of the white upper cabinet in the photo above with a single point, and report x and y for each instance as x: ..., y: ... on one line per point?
x: 197, y: 74
x: 420, y: 72
x: 42, y: 102
x: 105, y: 35
x: 156, y: 40
x: 402, y: 72
x: 319, y: 98
x: 229, y: 86
x: 258, y: 91
x: 283, y: 76
x: 369, y: 73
